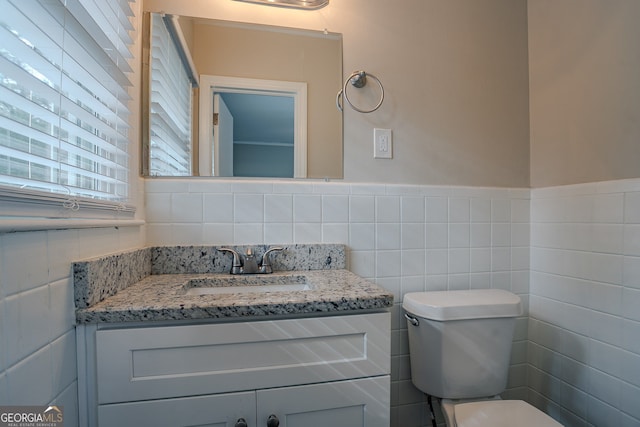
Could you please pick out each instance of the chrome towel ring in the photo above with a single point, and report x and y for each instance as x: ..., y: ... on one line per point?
x: 358, y: 79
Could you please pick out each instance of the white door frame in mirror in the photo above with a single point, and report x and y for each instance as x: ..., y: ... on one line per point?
x: 216, y: 84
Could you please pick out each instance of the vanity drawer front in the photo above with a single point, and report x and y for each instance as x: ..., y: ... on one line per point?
x: 163, y: 362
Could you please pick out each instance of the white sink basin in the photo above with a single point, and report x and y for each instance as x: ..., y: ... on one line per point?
x: 247, y: 284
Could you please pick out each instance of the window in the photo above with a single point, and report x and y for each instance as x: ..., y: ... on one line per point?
x: 171, y: 81
x: 64, y: 102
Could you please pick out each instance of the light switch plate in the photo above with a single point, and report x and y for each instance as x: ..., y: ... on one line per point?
x: 382, y: 144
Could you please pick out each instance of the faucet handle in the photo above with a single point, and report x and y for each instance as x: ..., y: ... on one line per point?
x: 236, y: 268
x: 265, y: 267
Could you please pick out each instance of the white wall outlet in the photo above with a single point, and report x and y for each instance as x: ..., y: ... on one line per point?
x: 382, y: 144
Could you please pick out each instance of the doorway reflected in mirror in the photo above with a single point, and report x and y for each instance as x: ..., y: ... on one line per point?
x: 257, y: 128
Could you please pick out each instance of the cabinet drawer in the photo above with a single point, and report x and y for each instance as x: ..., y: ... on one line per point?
x: 163, y: 362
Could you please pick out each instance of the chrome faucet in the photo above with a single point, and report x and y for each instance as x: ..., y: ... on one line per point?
x: 248, y: 264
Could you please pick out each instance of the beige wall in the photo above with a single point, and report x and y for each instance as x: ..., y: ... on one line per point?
x: 455, y: 74
x: 585, y: 90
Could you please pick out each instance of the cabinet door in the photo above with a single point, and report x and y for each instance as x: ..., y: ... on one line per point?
x: 355, y: 403
x: 221, y: 410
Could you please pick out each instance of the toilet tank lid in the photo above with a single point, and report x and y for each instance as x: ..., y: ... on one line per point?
x: 459, y: 305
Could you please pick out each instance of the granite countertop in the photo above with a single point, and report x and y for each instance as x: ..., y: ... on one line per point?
x: 164, y: 297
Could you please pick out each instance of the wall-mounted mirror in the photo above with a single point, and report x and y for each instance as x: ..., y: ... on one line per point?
x: 276, y: 84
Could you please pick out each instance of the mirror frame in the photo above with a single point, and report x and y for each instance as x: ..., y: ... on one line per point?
x: 145, y: 131
x: 145, y: 98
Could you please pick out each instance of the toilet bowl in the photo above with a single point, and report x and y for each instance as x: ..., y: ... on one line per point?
x: 459, y: 350
x: 495, y: 413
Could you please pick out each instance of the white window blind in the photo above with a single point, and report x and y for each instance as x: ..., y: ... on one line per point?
x: 171, y: 100
x: 64, y: 102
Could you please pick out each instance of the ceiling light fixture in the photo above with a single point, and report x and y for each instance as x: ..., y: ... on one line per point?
x: 296, y: 4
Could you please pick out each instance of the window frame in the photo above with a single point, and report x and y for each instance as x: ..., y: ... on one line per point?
x: 20, y: 207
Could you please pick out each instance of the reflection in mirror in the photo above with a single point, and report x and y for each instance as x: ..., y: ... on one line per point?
x: 258, y: 127
x: 171, y: 78
x: 262, y: 134
x: 307, y: 142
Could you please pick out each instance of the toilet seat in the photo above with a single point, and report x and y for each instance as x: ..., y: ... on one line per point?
x: 501, y: 413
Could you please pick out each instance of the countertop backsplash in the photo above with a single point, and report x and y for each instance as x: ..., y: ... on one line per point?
x: 98, y: 278
x: 208, y: 259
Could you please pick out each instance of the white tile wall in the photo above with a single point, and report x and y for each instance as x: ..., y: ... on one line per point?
x: 584, y: 327
x: 37, y: 335
x: 405, y: 238
x: 578, y: 356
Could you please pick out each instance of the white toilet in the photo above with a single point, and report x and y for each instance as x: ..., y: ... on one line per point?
x: 460, y: 347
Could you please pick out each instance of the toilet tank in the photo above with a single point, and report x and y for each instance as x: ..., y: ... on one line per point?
x: 460, y: 341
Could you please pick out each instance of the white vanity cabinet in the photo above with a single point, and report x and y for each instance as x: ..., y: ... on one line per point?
x: 306, y: 372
